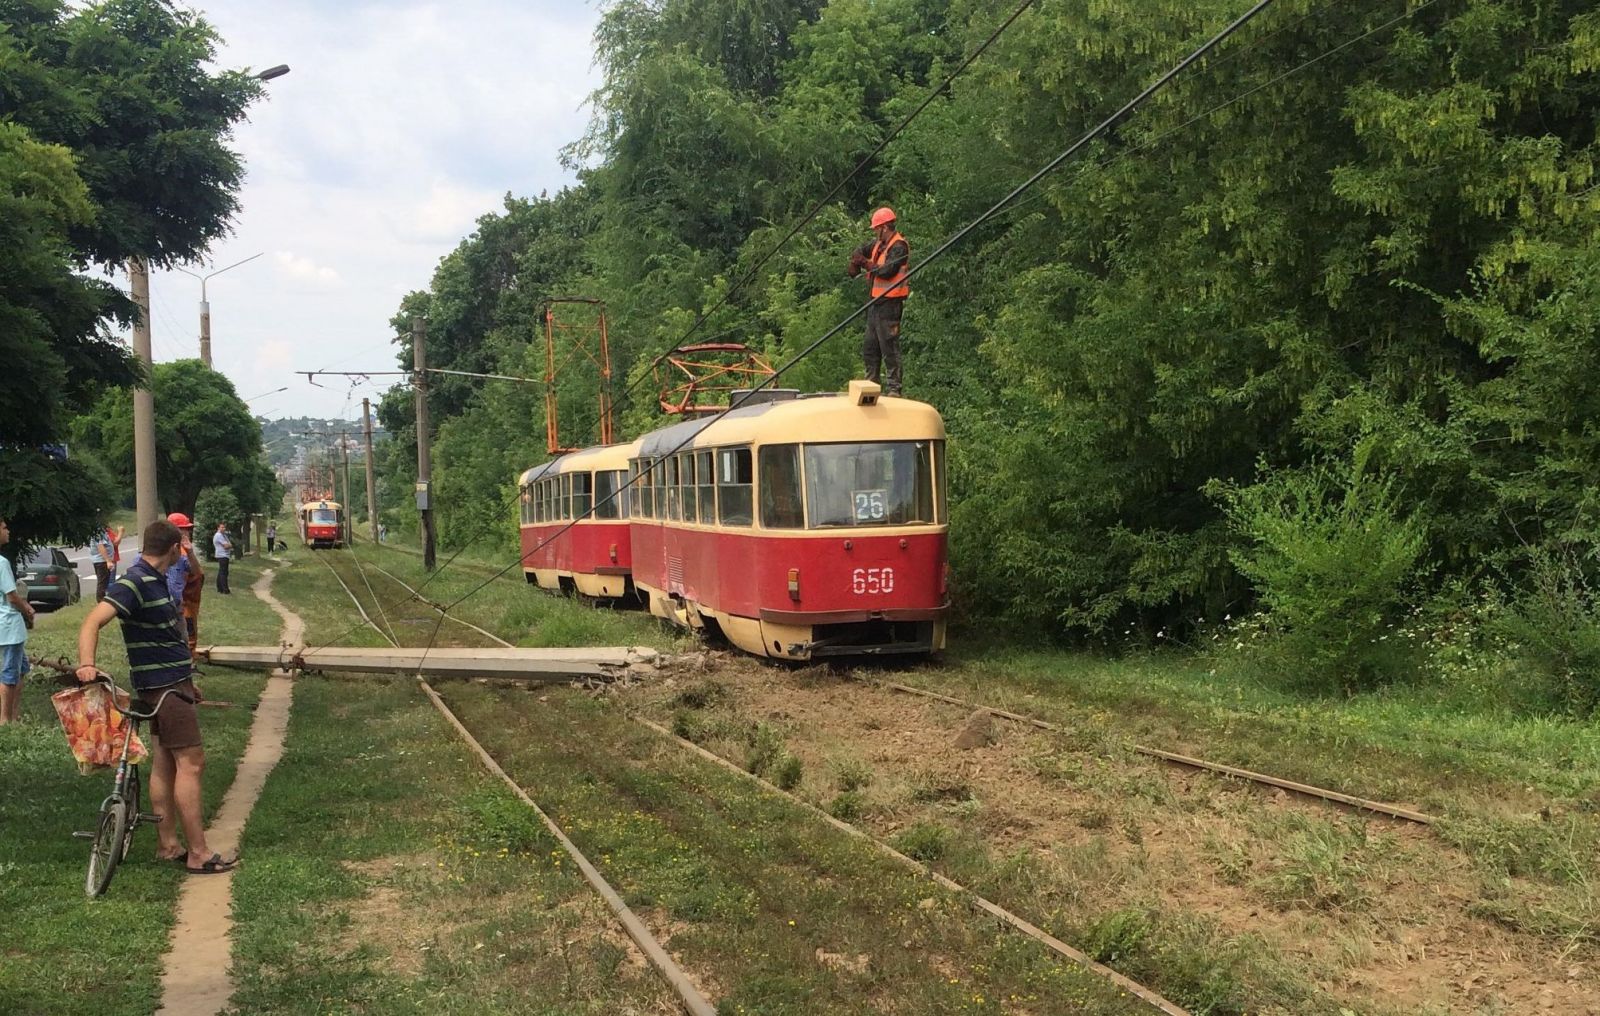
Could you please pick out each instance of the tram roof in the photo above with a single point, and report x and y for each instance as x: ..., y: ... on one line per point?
x: 833, y: 416
x: 612, y: 456
x: 311, y: 505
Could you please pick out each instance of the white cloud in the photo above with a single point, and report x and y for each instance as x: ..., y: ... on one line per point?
x: 303, y: 269
x: 400, y: 123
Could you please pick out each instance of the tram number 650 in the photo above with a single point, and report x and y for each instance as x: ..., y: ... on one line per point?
x: 872, y: 581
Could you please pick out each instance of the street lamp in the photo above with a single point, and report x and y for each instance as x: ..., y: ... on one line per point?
x: 205, y: 305
x: 273, y: 72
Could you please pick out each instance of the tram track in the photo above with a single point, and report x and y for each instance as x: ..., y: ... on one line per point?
x: 1336, y: 797
x: 694, y: 1002
x: 1309, y: 791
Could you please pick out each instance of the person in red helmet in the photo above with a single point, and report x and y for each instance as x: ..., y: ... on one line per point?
x: 185, y: 579
x: 886, y: 259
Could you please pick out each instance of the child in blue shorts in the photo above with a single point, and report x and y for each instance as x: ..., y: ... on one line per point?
x: 15, y: 619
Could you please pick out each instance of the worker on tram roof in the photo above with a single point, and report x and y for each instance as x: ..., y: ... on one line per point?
x: 887, y: 261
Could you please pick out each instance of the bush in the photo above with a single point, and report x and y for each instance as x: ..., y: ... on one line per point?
x: 1555, y: 626
x: 847, y: 806
x: 765, y: 745
x: 925, y: 842
x: 786, y: 771
x: 1330, y: 556
x: 215, y: 504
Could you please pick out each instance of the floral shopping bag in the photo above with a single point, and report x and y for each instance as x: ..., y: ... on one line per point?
x: 95, y: 727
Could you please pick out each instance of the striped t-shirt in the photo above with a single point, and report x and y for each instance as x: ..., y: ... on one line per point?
x: 152, y: 628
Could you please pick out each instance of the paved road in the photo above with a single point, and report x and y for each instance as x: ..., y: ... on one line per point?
x: 79, y: 556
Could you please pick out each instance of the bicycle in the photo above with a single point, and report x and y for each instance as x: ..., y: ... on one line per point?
x: 119, y: 813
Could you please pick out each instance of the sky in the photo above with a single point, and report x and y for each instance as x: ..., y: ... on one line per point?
x: 399, y: 124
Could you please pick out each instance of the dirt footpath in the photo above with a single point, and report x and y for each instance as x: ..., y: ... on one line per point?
x: 196, y: 979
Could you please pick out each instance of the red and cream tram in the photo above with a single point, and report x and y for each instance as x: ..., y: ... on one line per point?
x: 798, y: 527
x: 321, y: 524
x: 593, y: 556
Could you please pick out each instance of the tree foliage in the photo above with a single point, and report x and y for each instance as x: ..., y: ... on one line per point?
x: 113, y: 143
x: 205, y: 437
x: 1357, y: 225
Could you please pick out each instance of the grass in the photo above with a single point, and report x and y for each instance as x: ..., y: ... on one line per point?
x: 59, y: 946
x: 754, y: 891
x: 388, y: 873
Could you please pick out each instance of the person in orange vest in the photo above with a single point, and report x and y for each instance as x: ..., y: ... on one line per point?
x: 185, y: 579
x: 887, y: 260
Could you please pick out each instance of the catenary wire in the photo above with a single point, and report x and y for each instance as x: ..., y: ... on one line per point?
x: 938, y: 252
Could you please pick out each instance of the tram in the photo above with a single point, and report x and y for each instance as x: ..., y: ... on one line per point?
x: 321, y: 523
x: 594, y: 556
x: 796, y: 526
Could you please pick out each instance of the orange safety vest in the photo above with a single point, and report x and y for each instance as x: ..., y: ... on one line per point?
x: 894, y: 287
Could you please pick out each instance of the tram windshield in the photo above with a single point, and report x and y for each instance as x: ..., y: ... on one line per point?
x: 324, y: 517
x: 886, y: 483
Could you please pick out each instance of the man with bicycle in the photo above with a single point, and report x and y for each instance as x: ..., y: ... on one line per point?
x: 158, y: 663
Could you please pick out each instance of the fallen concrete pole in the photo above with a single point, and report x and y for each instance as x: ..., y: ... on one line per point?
x: 549, y: 665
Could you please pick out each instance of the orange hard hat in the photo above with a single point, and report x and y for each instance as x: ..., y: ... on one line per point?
x: 881, y: 216
x: 180, y: 520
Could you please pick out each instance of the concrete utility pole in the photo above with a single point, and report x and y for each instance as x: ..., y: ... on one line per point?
x: 205, y: 305
x: 372, y: 480
x: 349, y: 523
x: 144, y: 400
x: 419, y: 339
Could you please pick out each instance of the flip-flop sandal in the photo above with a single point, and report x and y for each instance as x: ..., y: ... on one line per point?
x: 215, y: 866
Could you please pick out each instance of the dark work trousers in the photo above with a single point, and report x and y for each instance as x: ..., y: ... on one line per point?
x: 102, y: 578
x: 882, y: 343
x: 222, y: 575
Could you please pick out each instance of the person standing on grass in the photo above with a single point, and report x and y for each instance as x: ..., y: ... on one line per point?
x: 158, y: 662
x: 114, y: 540
x: 16, y: 617
x: 222, y: 549
x: 185, y: 579
x: 272, y: 537
x: 101, y: 556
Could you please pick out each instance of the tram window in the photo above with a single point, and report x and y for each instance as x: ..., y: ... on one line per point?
x: 734, y: 477
x: 608, y: 504
x: 887, y: 483
x: 942, y: 484
x: 686, y: 478
x: 527, y: 505
x: 781, y: 507
x: 647, y: 493
x: 705, y: 484
x: 635, y: 485
x: 670, y: 480
x: 538, y: 501
x: 582, y: 488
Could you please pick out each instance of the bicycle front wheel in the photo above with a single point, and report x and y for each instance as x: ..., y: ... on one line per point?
x: 107, y: 850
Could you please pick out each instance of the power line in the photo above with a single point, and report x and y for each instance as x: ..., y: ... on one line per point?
x: 816, y: 209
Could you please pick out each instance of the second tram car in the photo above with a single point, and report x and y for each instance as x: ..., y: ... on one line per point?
x: 321, y: 524
x: 594, y: 556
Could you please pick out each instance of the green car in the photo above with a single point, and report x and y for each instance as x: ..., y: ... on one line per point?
x: 50, y: 577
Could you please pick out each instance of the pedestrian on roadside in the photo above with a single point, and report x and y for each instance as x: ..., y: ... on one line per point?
x: 383, y: 532
x: 185, y: 580
x: 222, y: 550
x: 887, y: 261
x: 272, y: 537
x: 158, y: 661
x: 101, y: 555
x: 16, y: 617
x: 114, y: 537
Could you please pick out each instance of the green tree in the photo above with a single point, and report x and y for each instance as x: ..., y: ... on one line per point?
x: 205, y: 435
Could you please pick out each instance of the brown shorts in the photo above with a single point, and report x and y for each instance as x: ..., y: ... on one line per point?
x: 177, y: 723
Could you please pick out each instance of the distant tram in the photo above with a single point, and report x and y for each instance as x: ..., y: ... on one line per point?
x: 321, y: 524
x: 797, y: 526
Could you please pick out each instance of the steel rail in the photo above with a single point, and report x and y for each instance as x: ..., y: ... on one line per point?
x: 423, y: 599
x: 1033, y: 931
x: 370, y: 591
x: 359, y: 609
x: 693, y: 1000
x: 1304, y: 789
